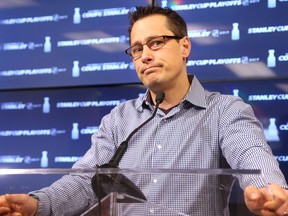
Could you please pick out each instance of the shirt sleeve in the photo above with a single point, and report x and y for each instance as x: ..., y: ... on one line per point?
x: 72, y: 194
x: 243, y: 144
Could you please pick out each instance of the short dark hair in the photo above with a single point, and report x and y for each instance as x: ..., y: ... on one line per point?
x: 175, y: 22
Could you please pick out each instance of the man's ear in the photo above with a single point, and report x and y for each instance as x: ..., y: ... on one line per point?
x: 186, y: 47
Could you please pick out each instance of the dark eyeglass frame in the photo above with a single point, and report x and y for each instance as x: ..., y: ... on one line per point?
x: 150, y: 44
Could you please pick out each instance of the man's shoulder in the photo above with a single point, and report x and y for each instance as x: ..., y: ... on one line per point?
x: 128, y: 105
x: 213, y: 97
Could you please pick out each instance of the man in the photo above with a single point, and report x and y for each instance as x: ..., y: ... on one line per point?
x: 193, y: 128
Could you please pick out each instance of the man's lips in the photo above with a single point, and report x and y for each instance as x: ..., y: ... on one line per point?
x: 149, y: 70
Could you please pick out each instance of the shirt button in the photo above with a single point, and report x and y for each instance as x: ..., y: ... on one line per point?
x: 159, y: 147
x: 152, y: 210
x: 155, y: 181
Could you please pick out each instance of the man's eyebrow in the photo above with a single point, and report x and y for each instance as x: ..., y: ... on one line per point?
x: 136, y: 43
x: 146, y: 39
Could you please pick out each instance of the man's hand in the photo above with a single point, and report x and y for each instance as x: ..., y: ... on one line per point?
x: 272, y: 201
x: 18, y: 205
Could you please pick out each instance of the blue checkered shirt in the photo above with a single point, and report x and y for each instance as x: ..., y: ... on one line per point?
x: 207, y: 130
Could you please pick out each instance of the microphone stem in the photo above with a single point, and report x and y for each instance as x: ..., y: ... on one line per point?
x: 115, y: 160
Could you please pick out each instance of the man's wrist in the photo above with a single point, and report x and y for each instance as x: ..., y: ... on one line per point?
x: 36, y: 212
x: 34, y: 196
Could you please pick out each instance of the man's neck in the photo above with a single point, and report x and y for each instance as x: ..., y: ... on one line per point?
x: 173, y: 96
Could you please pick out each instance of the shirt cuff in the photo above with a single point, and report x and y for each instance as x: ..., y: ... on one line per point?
x: 43, y: 204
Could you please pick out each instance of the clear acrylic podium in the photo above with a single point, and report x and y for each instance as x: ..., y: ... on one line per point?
x: 120, y: 202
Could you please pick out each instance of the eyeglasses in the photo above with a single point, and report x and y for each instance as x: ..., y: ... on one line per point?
x: 154, y: 43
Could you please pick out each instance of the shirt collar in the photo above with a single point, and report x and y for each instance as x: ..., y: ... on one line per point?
x: 195, y: 95
x: 143, y: 101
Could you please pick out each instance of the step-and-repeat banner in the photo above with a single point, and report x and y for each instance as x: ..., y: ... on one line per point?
x: 59, y: 43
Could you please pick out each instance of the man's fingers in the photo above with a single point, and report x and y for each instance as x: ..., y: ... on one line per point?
x: 15, y: 201
x: 251, y: 193
x: 272, y: 200
x: 253, y: 199
x: 4, y: 210
x: 279, y: 203
x: 16, y: 214
x: 16, y: 198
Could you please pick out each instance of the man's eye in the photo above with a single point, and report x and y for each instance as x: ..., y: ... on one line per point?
x: 156, y: 43
x: 137, y: 49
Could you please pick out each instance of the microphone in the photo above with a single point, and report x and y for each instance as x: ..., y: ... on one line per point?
x: 124, y: 145
x: 103, y: 184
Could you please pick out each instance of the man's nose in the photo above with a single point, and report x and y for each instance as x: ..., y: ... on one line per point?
x: 147, y: 54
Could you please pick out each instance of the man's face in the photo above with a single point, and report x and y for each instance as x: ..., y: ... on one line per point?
x: 159, y: 69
